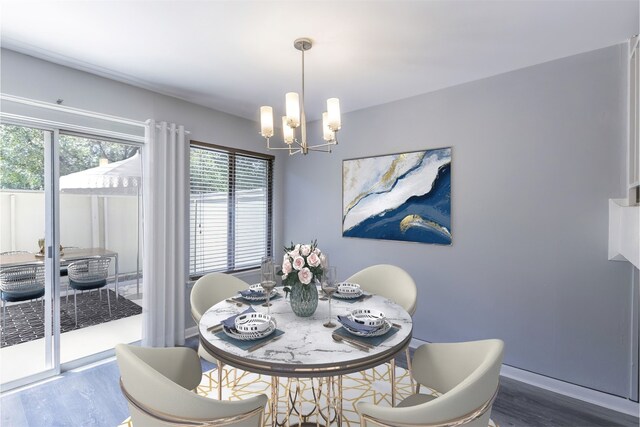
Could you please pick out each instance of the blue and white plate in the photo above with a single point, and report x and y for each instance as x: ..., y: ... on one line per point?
x: 260, y: 294
x: 375, y: 333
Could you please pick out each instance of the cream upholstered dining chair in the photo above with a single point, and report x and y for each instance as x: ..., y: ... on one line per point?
x: 467, y: 376
x: 158, y: 384
x: 391, y: 282
x: 209, y: 290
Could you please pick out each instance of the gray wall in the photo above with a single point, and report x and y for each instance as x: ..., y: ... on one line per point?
x: 32, y: 78
x: 537, y: 153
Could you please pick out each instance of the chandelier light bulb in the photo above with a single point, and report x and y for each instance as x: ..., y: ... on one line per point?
x: 287, y: 131
x: 266, y: 121
x: 292, y: 108
x: 327, y: 133
x: 333, y: 112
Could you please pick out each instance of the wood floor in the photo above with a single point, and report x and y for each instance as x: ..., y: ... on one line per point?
x: 520, y: 404
x: 91, y: 397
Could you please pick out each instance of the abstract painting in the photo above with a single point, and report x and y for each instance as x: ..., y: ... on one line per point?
x: 403, y: 196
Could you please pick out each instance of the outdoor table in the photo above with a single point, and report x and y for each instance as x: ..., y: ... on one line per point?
x: 67, y: 257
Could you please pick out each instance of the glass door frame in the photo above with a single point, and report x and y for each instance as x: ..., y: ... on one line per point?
x: 52, y: 251
x: 52, y: 257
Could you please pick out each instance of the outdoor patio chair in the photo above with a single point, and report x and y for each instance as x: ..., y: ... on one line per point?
x: 22, y: 283
x: 88, y: 274
x: 63, y: 268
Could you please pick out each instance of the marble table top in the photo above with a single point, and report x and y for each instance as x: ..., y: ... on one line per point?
x: 306, y: 349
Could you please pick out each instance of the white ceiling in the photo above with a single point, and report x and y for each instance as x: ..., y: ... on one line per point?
x: 237, y: 55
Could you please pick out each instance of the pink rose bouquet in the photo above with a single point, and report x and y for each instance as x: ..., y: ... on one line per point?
x: 302, y: 263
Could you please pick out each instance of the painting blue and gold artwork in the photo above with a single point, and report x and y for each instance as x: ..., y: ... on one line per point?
x: 403, y: 196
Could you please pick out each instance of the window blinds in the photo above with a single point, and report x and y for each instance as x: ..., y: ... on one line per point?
x: 230, y: 209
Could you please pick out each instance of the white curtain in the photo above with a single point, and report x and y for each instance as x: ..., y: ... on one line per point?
x: 165, y: 187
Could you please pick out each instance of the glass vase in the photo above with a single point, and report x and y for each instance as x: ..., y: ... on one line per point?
x: 304, y: 299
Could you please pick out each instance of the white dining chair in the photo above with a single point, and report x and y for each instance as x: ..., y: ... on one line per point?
x: 466, y: 376
x: 209, y: 290
x: 158, y: 384
x: 394, y: 283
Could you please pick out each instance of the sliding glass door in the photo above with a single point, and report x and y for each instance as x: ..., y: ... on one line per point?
x: 70, y: 209
x: 100, y: 200
x: 28, y: 283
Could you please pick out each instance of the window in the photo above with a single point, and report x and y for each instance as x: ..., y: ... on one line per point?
x: 230, y: 209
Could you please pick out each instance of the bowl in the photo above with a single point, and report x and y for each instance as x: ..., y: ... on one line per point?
x: 256, y: 288
x: 252, y: 322
x: 349, y: 288
x: 369, y: 317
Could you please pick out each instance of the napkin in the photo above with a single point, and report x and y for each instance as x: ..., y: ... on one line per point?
x: 347, y: 322
x: 231, y: 321
x: 251, y: 293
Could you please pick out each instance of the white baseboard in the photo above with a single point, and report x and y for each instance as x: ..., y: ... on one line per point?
x: 585, y: 394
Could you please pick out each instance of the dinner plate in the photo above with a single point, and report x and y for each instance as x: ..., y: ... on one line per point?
x: 250, y: 336
x: 260, y: 297
x: 380, y: 331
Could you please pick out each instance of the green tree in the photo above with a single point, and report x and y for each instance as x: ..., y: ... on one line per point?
x: 22, y: 156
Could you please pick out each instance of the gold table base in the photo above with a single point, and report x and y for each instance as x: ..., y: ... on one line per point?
x: 372, y: 386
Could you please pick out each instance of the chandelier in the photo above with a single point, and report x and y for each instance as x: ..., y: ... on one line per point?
x: 295, y: 118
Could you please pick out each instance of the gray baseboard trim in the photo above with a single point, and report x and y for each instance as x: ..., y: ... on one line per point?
x: 191, y: 332
x: 585, y: 394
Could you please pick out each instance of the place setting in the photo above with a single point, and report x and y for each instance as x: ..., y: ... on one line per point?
x: 364, y: 328
x: 251, y: 330
x: 350, y: 292
x: 263, y: 291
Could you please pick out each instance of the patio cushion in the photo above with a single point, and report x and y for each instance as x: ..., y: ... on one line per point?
x: 22, y: 295
x: 83, y: 286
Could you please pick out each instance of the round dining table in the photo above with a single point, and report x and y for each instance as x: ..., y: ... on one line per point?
x: 307, y: 349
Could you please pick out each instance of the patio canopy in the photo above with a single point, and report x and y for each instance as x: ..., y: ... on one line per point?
x: 114, y: 179
x: 123, y: 178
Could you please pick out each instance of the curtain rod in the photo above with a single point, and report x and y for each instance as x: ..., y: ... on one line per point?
x: 50, y: 124
x: 78, y: 111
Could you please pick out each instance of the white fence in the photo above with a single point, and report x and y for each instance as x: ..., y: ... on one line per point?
x: 85, y: 221
x: 209, y: 227
x: 110, y: 222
